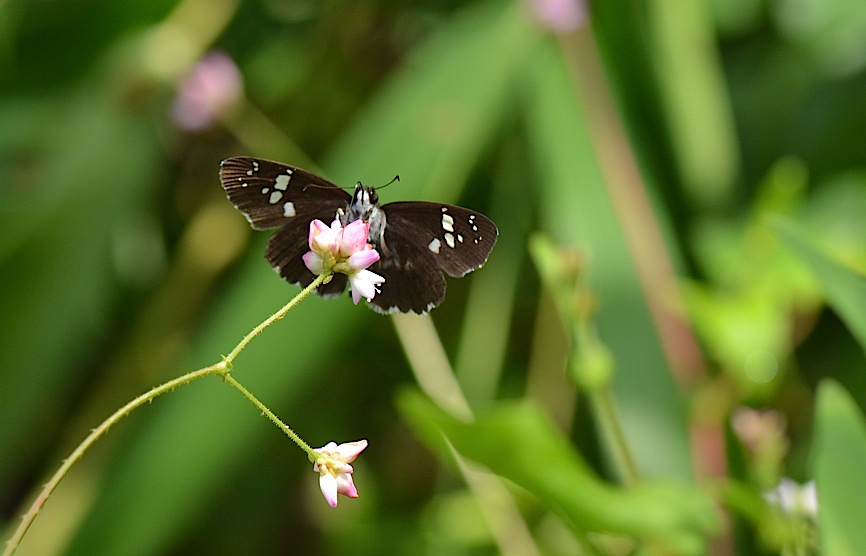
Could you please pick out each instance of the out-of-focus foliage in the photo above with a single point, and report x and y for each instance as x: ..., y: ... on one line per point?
x: 698, y: 167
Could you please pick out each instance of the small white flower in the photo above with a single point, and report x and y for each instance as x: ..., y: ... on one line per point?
x: 794, y: 498
x: 365, y: 284
x: 335, y: 473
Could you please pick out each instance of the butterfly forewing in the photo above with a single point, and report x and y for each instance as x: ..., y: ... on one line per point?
x: 271, y: 194
x: 275, y: 195
x: 459, y: 239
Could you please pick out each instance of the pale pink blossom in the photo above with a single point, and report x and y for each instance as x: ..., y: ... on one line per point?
x: 354, y: 239
x: 335, y: 473
x: 561, y: 16
x: 209, y: 90
x: 345, y: 250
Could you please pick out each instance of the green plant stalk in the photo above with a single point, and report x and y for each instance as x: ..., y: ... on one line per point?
x: 90, y: 440
x: 605, y: 412
x: 312, y: 454
x: 223, y: 368
x: 229, y: 359
x: 592, y: 368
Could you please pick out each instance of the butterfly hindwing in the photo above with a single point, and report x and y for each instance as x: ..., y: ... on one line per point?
x: 413, y: 281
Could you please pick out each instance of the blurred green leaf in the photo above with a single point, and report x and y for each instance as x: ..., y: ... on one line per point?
x: 835, y: 213
x: 837, y: 464
x: 448, y: 99
x: 53, y: 314
x: 746, y: 332
x: 831, y: 29
x: 518, y: 442
x: 695, y: 98
x: 845, y: 289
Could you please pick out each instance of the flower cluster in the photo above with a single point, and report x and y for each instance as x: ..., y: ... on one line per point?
x: 335, y: 473
x: 344, y: 250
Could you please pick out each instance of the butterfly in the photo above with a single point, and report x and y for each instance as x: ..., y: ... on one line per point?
x: 416, y: 240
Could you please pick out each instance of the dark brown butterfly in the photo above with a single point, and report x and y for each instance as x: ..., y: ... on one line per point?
x: 416, y: 240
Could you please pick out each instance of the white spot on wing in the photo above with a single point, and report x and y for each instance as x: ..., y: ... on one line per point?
x: 282, y: 182
x: 275, y: 197
x: 288, y: 209
x: 434, y: 245
x: 265, y: 190
x: 449, y: 239
x: 447, y: 222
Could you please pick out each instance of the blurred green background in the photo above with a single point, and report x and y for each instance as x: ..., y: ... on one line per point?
x: 702, y: 166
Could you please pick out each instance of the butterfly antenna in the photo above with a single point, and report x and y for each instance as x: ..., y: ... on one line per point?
x: 395, y: 178
x: 349, y: 189
x: 319, y: 186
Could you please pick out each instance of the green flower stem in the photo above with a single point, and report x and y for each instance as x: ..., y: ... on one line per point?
x: 592, y: 369
x: 605, y: 412
x: 270, y: 415
x: 218, y: 368
x: 229, y: 359
x: 222, y: 368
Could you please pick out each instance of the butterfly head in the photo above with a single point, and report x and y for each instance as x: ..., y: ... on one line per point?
x: 365, y: 206
x: 364, y: 200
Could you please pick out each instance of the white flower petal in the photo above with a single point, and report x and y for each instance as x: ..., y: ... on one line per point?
x: 364, y: 284
x: 329, y: 486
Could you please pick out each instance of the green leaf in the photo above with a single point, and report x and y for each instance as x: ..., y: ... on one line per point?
x: 59, y: 282
x: 844, y: 288
x: 434, y: 118
x: 518, y: 442
x: 838, y: 459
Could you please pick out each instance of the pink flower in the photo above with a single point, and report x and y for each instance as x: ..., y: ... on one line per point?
x: 344, y: 250
x: 335, y: 473
x: 210, y: 89
x: 561, y: 16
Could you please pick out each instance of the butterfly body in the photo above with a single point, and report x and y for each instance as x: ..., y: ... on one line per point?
x: 416, y: 240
